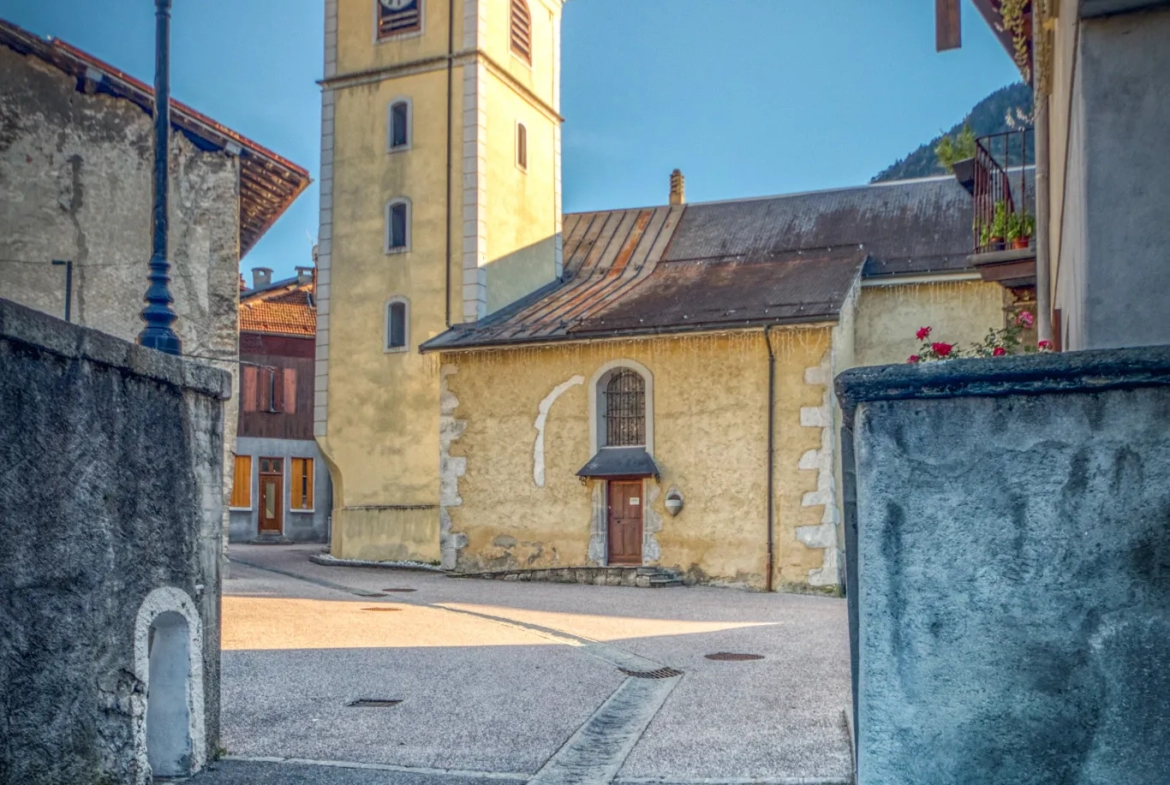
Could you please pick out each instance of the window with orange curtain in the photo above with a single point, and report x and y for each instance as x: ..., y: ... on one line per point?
x: 242, y: 483
x: 302, y: 484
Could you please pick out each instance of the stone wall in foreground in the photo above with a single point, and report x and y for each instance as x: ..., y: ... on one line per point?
x: 1008, y: 531
x: 110, y: 518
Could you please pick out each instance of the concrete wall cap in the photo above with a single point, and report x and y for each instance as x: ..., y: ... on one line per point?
x: 22, y: 325
x: 1035, y: 374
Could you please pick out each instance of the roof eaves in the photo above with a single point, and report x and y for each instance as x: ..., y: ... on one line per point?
x: 433, y: 345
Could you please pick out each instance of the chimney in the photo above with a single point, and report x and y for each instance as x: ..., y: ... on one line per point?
x: 678, y: 187
x: 304, y: 275
x: 261, y: 277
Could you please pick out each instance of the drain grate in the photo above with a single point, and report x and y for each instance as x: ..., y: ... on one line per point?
x: 368, y: 594
x: 399, y: 590
x: 726, y: 656
x: 374, y: 703
x: 661, y: 673
x: 383, y: 610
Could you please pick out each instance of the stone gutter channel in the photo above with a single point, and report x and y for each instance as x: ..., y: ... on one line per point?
x: 595, y: 753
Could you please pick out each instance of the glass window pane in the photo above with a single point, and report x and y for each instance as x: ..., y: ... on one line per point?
x: 269, y: 499
x: 398, y: 226
x: 397, y: 325
x: 398, y: 119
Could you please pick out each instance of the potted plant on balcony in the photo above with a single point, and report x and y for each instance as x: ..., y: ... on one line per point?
x: 1027, y: 230
x: 997, y: 231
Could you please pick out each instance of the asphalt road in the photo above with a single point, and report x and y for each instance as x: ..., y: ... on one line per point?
x: 517, y: 682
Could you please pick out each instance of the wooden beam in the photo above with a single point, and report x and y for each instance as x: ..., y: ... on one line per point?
x: 948, y: 25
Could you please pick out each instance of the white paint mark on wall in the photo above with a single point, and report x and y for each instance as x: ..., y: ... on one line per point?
x: 822, y: 460
x: 450, y: 470
x: 541, y: 419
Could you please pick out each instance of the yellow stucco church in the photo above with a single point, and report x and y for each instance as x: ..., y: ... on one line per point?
x: 502, y: 387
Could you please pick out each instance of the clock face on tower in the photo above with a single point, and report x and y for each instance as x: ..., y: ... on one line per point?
x: 398, y: 17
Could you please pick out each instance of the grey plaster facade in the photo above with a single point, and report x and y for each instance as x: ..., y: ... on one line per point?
x: 1112, y: 187
x: 299, y: 525
x: 75, y: 184
x: 111, y: 511
x: 1009, y: 569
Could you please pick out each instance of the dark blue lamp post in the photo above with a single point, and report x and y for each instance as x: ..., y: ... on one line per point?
x: 158, y: 315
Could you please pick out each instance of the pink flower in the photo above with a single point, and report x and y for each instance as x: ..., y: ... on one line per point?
x: 923, y: 333
x: 914, y: 358
x: 1045, y: 346
x: 999, y: 351
x: 942, y: 349
x: 1025, y: 319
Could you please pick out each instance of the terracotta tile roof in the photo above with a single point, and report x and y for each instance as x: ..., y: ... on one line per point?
x: 286, y: 308
x: 725, y: 265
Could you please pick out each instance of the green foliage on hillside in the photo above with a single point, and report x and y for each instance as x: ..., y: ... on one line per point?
x: 1006, y: 109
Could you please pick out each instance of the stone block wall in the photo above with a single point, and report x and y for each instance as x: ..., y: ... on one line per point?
x: 1009, y: 569
x: 110, y: 527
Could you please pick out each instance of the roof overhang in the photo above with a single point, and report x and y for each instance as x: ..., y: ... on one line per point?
x: 269, y: 184
x: 613, y: 462
x: 1092, y: 8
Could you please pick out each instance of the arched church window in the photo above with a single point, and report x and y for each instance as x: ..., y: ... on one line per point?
x: 399, y: 123
x: 522, y: 30
x: 625, y: 409
x: 398, y: 17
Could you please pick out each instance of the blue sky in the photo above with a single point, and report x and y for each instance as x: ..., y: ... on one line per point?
x: 747, y: 97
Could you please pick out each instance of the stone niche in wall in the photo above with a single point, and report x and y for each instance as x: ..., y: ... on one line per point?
x: 1009, y: 568
x: 110, y: 498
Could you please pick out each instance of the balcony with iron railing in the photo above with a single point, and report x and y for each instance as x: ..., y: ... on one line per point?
x: 1001, y: 181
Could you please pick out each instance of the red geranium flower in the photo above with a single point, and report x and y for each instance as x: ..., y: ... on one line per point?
x: 942, y: 349
x: 999, y: 351
x: 1045, y: 346
x: 923, y: 333
x: 1025, y: 319
x: 914, y: 358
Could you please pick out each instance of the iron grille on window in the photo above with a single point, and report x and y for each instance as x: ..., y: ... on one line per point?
x: 625, y: 410
x: 396, y: 17
x: 521, y: 29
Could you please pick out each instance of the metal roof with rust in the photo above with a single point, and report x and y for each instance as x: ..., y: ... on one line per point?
x: 269, y: 184
x: 731, y: 265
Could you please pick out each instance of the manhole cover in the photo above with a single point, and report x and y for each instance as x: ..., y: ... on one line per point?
x: 382, y: 610
x: 369, y: 594
x: 726, y: 656
x: 400, y: 590
x: 375, y: 703
x: 661, y: 673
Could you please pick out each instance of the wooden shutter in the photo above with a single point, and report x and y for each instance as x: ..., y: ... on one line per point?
x: 242, y: 482
x: 248, y: 388
x: 289, y: 398
x: 302, y: 483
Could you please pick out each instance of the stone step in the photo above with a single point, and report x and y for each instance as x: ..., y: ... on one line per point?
x: 641, y: 577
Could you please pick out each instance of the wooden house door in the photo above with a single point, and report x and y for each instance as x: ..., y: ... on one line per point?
x: 271, y: 495
x: 625, y: 522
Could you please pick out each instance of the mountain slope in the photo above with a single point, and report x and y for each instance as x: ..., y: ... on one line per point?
x: 990, y: 116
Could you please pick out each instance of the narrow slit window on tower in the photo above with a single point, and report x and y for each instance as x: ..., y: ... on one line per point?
x: 398, y: 226
x: 398, y: 17
x: 522, y: 146
x: 522, y: 30
x: 397, y: 325
x: 399, y: 125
